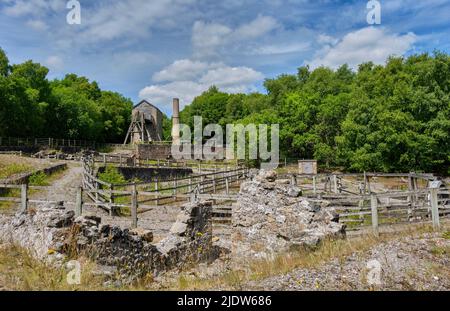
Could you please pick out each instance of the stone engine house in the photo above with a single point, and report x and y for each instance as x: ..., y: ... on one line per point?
x: 146, y: 124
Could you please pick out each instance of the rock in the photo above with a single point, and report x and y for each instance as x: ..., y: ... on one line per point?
x: 61, y: 220
x: 105, y: 230
x: 47, y: 236
x: 19, y: 220
x: 183, y: 218
x: 88, y: 221
x: 146, y: 235
x: 270, y: 217
x: 265, y: 176
x: 294, y: 192
x: 179, y: 228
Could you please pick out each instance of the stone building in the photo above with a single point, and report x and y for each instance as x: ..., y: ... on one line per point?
x: 146, y: 124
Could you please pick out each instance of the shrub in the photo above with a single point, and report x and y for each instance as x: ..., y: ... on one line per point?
x: 38, y: 179
x: 112, y: 175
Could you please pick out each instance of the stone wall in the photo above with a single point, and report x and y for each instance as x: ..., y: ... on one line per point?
x: 271, y: 217
x: 23, y: 178
x: 150, y: 174
x: 153, y: 151
x: 51, y: 233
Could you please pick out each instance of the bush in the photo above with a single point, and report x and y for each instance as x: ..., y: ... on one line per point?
x: 112, y: 175
x: 38, y: 179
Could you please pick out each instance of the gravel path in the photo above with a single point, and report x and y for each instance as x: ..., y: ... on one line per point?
x: 64, y: 189
x: 159, y: 220
x: 410, y: 263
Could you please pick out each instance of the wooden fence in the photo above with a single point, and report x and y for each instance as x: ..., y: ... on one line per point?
x: 335, y: 183
x: 44, y: 142
x: 367, y: 209
x: 129, y: 160
x: 357, y: 212
x: 141, y: 197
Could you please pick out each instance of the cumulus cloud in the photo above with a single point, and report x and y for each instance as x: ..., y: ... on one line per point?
x: 368, y: 44
x: 181, y: 70
x: 187, y: 79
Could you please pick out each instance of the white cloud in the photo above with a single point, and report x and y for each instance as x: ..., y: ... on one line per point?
x: 207, y: 38
x: 181, y: 70
x: 256, y: 28
x: 131, y: 18
x: 368, y: 44
x: 162, y: 95
x: 37, y: 24
x: 231, y: 77
x: 54, y: 62
x: 281, y: 49
x: 195, y: 82
x: 32, y: 7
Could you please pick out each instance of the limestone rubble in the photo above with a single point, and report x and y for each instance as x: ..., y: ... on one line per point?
x: 271, y: 217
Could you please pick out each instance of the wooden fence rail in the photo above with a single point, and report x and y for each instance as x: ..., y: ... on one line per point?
x: 434, y: 207
x: 108, y: 196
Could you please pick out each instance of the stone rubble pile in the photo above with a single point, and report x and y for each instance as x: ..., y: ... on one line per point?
x: 271, y: 217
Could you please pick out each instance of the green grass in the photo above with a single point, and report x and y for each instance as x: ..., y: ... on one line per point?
x: 7, y: 171
x: 112, y: 175
x: 21, y: 271
x: 38, y: 179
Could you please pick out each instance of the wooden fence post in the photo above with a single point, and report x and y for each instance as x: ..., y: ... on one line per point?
x: 157, y: 191
x: 374, y: 207
x: 79, y: 202
x: 134, y: 207
x: 314, y: 185
x: 335, y: 184
x: 24, y: 198
x: 111, y: 200
x: 227, y: 185
x: 175, y: 185
x: 365, y: 183
x: 434, y: 208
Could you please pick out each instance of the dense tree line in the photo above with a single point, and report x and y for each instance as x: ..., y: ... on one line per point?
x: 392, y: 117
x: 71, y: 108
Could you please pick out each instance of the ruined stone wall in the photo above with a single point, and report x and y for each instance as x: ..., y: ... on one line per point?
x: 153, y: 151
x: 51, y: 233
x: 150, y: 174
x: 23, y: 178
x: 271, y: 217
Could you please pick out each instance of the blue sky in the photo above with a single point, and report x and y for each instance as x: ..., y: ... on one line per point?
x: 159, y: 49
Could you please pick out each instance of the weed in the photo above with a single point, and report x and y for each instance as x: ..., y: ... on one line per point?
x: 13, y: 169
x: 112, y: 175
x: 38, y: 179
